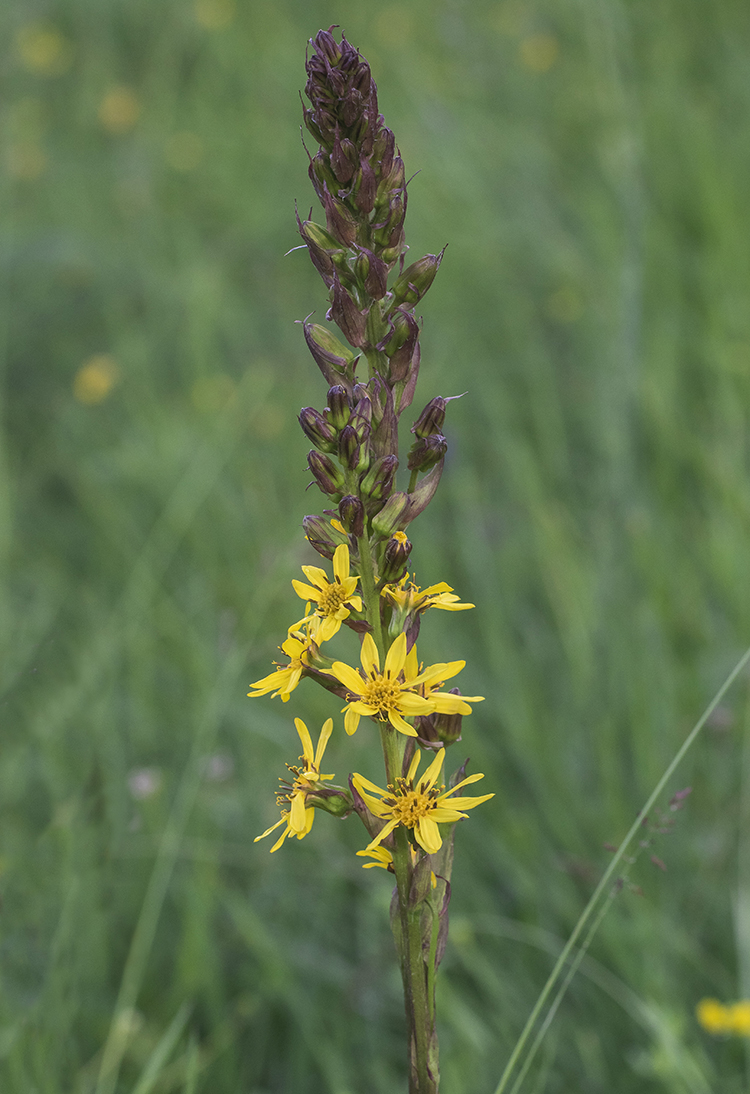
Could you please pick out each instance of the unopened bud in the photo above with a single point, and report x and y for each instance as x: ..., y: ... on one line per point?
x: 386, y: 522
x: 348, y: 446
x: 373, y: 273
x: 335, y: 360
x: 426, y: 452
x: 339, y: 410
x: 378, y: 482
x: 413, y: 283
x: 321, y: 246
x: 328, y: 477
x: 361, y: 419
x: 352, y: 515
x: 395, y: 557
x: 431, y: 419
x: 347, y: 315
x: 322, y: 536
x: 317, y: 430
x: 341, y: 223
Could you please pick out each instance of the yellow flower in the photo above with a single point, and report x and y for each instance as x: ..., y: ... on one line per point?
x: 419, y: 806
x: 712, y: 1015
x: 331, y: 598
x: 717, y: 1018
x: 298, y: 818
x: 428, y: 681
x: 387, y: 695
x: 414, y: 599
x: 739, y: 1018
x: 299, y: 647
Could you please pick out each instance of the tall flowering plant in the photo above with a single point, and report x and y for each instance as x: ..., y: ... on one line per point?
x: 359, y: 178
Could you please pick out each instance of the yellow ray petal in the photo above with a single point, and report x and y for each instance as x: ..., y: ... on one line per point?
x: 325, y: 735
x: 307, y: 745
x: 396, y: 657
x: 370, y: 658
x: 427, y: 835
x: 341, y: 562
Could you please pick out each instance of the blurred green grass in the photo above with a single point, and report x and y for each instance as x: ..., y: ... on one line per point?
x: 586, y: 162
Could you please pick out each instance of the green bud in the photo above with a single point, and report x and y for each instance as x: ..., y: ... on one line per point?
x: 335, y: 360
x: 378, y: 482
x: 317, y: 430
x: 413, y: 283
x: 426, y: 452
x: 352, y: 514
x: 322, y: 536
x: 431, y: 419
x: 348, y: 446
x: 390, y: 516
x: 328, y: 477
x: 339, y: 409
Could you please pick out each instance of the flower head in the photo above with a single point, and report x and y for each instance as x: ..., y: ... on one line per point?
x: 417, y: 804
x: 332, y: 599
x: 411, y: 599
x: 718, y: 1019
x: 386, y: 695
x: 300, y: 647
x: 307, y: 780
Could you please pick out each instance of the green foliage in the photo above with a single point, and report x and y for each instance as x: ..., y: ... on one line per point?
x: 587, y: 164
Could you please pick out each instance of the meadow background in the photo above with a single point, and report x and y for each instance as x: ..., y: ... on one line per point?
x: 587, y: 163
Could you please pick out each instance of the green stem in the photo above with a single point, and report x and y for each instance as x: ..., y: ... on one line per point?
x: 412, y: 482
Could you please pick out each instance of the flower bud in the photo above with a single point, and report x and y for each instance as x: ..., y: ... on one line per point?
x: 322, y: 536
x: 426, y: 452
x: 395, y: 557
x: 339, y: 410
x: 361, y: 419
x: 321, y: 246
x: 431, y: 419
x: 335, y: 360
x: 317, y: 430
x: 352, y: 515
x: 366, y: 190
x: 378, y: 482
x: 328, y: 477
x: 400, y: 343
x: 341, y: 224
x: 343, y: 159
x: 390, y: 516
x: 346, y: 314
x: 372, y: 272
x: 348, y: 446
x: 416, y: 279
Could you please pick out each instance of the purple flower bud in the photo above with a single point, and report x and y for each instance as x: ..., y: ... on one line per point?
x: 383, y: 151
x: 328, y: 477
x: 335, y: 360
x: 341, y: 223
x: 321, y: 247
x: 377, y: 483
x: 431, y: 419
x: 339, y: 409
x: 400, y: 344
x: 367, y: 188
x: 317, y: 430
x: 413, y: 283
x: 426, y: 452
x: 352, y: 515
x: 343, y: 159
x: 361, y: 419
x: 395, y: 557
x: 346, y: 314
x: 349, y: 447
x: 373, y: 272
x: 322, y: 536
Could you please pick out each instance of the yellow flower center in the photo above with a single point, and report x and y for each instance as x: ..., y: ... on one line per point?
x: 331, y: 599
x: 381, y: 693
x: 408, y: 806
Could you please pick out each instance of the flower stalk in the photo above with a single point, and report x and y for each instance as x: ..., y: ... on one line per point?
x: 360, y: 180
